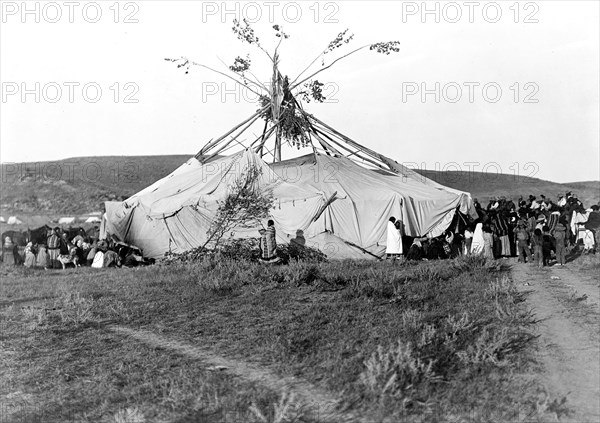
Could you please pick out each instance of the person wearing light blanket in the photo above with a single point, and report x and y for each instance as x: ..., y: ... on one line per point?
x: 394, y: 239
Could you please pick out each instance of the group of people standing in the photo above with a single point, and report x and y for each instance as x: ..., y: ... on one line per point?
x: 533, y: 230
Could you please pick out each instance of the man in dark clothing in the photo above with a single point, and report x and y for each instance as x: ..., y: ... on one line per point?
x: 548, y: 245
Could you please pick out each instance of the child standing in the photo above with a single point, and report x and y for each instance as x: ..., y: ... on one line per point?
x: 523, y: 244
x: 537, y: 241
x: 560, y: 235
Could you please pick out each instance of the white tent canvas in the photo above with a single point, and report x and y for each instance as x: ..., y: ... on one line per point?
x: 343, y: 211
x: 14, y: 220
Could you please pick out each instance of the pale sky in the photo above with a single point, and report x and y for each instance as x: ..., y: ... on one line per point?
x: 545, y: 123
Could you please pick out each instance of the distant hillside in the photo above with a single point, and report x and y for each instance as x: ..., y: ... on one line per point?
x: 485, y: 186
x: 83, y: 184
x: 79, y: 185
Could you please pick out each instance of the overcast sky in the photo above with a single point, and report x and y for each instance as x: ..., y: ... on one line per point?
x: 517, y: 84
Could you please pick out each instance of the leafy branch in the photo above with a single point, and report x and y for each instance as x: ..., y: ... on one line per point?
x: 313, y: 90
x: 245, y: 206
x: 342, y: 38
x: 339, y: 41
x: 240, y: 65
x: 386, y: 47
x: 187, y: 63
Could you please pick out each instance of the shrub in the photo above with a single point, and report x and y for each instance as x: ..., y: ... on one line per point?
x: 245, y: 249
x: 298, y: 252
x: 395, y: 372
x: 298, y: 273
x: 286, y: 410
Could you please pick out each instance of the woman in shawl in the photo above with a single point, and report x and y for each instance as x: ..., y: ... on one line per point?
x: 488, y: 242
x: 9, y: 251
x: 268, y: 243
x: 41, y: 258
x: 537, y: 241
x: 29, y: 255
x: 394, y: 239
x: 477, y: 243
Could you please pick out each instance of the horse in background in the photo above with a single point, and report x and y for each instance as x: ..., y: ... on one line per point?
x: 39, y: 235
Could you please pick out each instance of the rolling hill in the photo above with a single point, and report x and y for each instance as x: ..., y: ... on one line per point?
x: 82, y: 185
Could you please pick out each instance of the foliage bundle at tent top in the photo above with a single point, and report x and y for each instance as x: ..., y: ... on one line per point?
x: 285, y: 120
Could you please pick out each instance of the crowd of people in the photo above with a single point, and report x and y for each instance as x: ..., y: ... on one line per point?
x: 536, y: 230
x: 55, y: 248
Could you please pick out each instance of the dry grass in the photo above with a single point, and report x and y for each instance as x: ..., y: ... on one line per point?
x: 430, y: 340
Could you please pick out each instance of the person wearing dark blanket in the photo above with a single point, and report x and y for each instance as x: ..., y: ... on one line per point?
x: 547, y: 245
x: 268, y: 243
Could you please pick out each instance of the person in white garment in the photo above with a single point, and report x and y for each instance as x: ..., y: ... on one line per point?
x: 393, y: 248
x: 477, y: 243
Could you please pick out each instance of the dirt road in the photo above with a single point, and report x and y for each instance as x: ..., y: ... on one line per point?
x: 566, y: 301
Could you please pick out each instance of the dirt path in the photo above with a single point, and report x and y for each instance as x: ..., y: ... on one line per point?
x: 567, y: 305
x: 315, y: 402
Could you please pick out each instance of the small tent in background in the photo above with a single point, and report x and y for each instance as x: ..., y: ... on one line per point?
x: 2, y: 220
x: 93, y: 219
x: 340, y: 195
x: 66, y: 220
x: 14, y: 220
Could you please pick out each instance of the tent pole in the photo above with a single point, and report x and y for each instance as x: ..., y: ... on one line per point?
x: 277, y: 146
x: 265, y: 138
x: 231, y: 140
x: 390, y: 163
x: 326, y: 144
x: 210, y: 145
x: 355, y: 153
x: 260, y: 151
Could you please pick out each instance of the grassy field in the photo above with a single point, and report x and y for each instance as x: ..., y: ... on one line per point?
x: 391, y: 342
x: 83, y: 184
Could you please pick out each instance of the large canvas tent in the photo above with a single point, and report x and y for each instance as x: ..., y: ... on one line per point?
x: 339, y: 196
x: 340, y: 206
